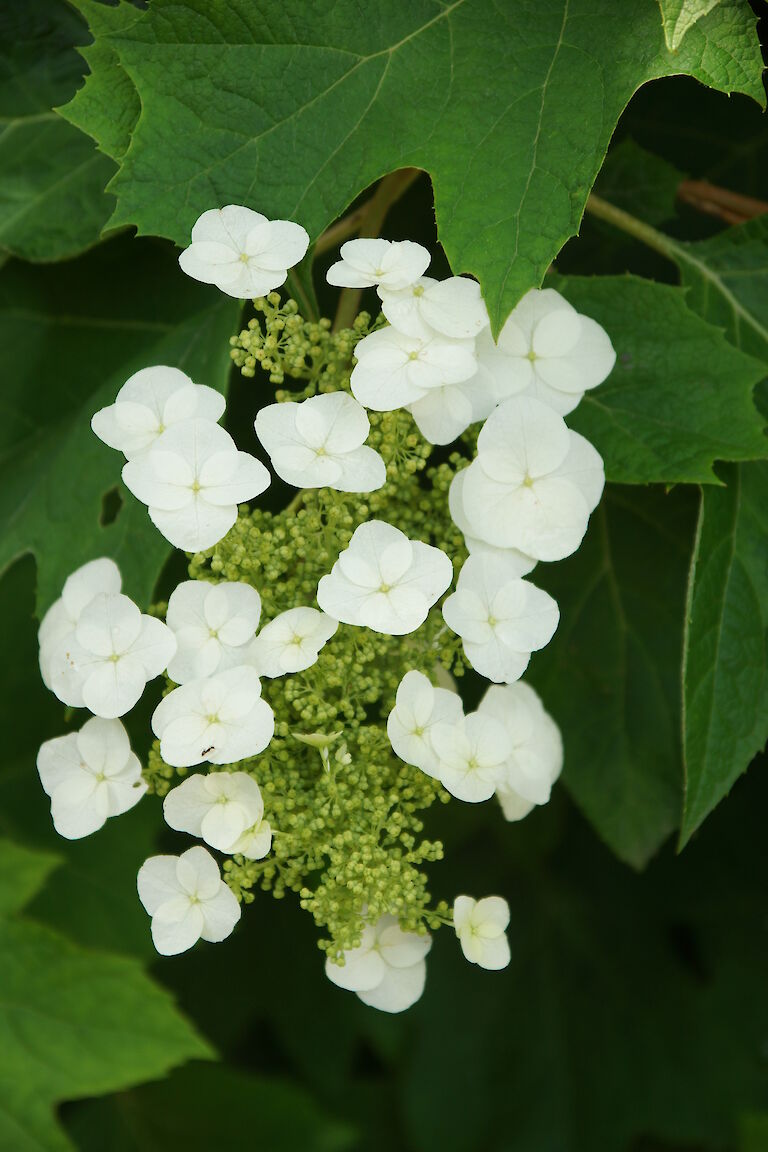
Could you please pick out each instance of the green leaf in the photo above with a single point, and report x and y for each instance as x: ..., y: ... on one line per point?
x: 611, y: 678
x: 52, y: 199
x: 108, y: 97
x: 632, y: 1017
x: 725, y: 673
x: 73, y: 1023
x: 210, y: 1106
x: 296, y: 109
x: 679, y: 16
x: 639, y: 182
x: 680, y: 396
x: 127, y: 307
x: 727, y: 281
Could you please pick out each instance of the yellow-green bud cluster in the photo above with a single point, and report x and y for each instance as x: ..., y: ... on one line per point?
x: 346, y: 812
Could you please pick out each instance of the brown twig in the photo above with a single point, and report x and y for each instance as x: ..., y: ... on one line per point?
x: 732, y: 207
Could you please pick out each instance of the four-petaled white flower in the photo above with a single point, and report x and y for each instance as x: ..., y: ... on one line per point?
x: 59, y: 623
x: 516, y: 561
x: 187, y: 900
x: 89, y: 775
x: 221, y: 719
x: 500, y: 618
x: 213, y: 624
x: 394, y: 370
x: 321, y: 442
x: 555, y: 353
x: 151, y: 401
x: 418, y: 707
x: 388, y: 969
x: 192, y: 479
x: 390, y: 264
x: 384, y: 581
x: 242, y: 252
x: 108, y: 659
x: 533, y: 482
x: 481, y: 928
x: 223, y: 808
x: 471, y: 753
x: 292, y: 641
x: 536, y: 747
x: 454, y: 307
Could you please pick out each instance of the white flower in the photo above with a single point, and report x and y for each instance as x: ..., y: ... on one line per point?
x: 384, y: 581
x: 149, y: 402
x: 192, y: 479
x: 454, y: 307
x: 213, y: 624
x: 387, y: 970
x: 59, y: 623
x: 89, y: 775
x: 555, y: 353
x: 108, y: 659
x: 471, y: 752
x: 533, y: 483
x: 187, y: 900
x: 392, y: 264
x: 517, y: 561
x: 242, y: 252
x: 444, y: 413
x: 223, y: 808
x: 221, y: 719
x: 292, y: 641
x: 394, y: 370
x: 500, y: 618
x: 418, y: 707
x: 536, y: 747
x: 321, y: 442
x: 481, y: 926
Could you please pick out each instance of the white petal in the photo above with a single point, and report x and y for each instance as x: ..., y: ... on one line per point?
x: 176, y: 926
x: 112, y: 688
x: 220, y: 915
x: 198, y: 526
x: 157, y: 882
x: 58, y: 760
x: 104, y: 745
x: 400, y: 988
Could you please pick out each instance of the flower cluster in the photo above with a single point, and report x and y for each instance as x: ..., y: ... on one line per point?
x: 310, y: 658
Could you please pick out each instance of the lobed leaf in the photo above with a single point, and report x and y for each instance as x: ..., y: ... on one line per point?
x: 296, y: 110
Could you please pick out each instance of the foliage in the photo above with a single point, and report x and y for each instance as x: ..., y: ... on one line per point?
x: 633, y: 1015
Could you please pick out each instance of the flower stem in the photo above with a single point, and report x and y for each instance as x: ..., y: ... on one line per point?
x: 368, y: 224
x: 641, y: 231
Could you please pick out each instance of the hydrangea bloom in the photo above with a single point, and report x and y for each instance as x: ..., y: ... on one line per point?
x: 500, y: 618
x: 242, y: 252
x: 221, y: 719
x: 388, y: 970
x: 394, y: 370
x: 555, y: 353
x: 292, y: 641
x: 384, y: 581
x: 471, y: 752
x: 418, y: 707
x: 453, y: 307
x: 213, y: 624
x: 481, y: 926
x: 59, y: 623
x: 151, y: 401
x: 516, y: 561
x: 536, y: 747
x: 390, y: 264
x: 223, y: 808
x: 321, y: 442
x: 89, y: 775
x: 533, y: 483
x: 192, y: 479
x: 187, y: 900
x: 112, y: 653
